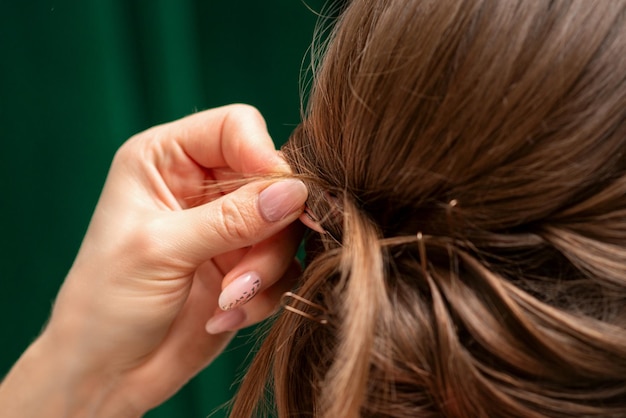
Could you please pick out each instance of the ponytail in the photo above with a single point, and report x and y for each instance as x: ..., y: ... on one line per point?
x: 363, y: 295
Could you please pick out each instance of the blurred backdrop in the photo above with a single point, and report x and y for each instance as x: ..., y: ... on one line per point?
x: 77, y: 78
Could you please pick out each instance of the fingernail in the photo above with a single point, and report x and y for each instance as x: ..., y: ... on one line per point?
x: 282, y: 198
x: 227, y: 321
x: 239, y: 291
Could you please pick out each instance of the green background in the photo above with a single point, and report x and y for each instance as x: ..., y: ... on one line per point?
x: 77, y: 78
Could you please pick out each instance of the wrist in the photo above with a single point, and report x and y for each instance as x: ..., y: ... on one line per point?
x: 47, y: 382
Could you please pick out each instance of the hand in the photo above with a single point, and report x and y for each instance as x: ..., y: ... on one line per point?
x: 132, y: 313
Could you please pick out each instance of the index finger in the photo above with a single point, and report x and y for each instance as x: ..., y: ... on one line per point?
x: 233, y: 136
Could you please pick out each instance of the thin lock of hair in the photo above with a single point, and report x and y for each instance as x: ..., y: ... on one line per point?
x: 466, y: 162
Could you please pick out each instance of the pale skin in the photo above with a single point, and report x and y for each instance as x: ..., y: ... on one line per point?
x: 137, y: 315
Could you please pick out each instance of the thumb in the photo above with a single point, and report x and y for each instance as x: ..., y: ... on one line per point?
x: 239, y: 219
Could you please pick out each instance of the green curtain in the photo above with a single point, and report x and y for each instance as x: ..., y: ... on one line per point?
x: 77, y: 78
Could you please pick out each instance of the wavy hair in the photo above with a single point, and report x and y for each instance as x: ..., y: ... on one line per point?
x: 466, y: 162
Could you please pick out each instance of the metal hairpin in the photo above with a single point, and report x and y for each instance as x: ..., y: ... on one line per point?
x: 451, y: 206
x: 422, y: 250
x: 452, y: 231
x: 322, y: 314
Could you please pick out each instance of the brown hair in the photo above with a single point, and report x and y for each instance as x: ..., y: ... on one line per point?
x: 466, y: 160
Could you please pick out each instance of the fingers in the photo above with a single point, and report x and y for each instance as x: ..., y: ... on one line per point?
x: 186, y: 349
x: 188, y: 346
x: 239, y: 219
x: 254, y: 282
x: 260, y: 268
x: 232, y: 136
x: 261, y: 307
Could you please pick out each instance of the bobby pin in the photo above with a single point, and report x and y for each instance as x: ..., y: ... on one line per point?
x: 454, y: 262
x: 322, y: 311
x: 311, y: 221
x: 451, y: 206
x: 422, y: 250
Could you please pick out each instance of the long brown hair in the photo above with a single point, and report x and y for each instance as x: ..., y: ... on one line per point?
x: 466, y: 161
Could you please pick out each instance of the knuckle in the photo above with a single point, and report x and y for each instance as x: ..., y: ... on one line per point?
x: 237, y: 221
x: 239, y: 114
x: 124, y: 152
x: 242, y: 111
x: 131, y: 151
x: 145, y: 241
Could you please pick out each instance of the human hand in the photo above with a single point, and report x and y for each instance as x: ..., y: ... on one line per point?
x: 158, y: 252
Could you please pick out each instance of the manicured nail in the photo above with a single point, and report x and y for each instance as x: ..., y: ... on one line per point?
x: 239, y: 291
x: 281, y: 199
x: 226, y: 321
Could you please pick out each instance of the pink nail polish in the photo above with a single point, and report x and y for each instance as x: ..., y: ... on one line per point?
x: 281, y: 199
x: 225, y: 321
x: 240, y: 291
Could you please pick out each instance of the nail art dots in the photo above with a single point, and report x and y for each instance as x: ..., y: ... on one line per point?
x: 240, y: 291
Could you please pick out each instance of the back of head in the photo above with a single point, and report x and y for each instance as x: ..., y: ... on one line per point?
x: 466, y: 162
